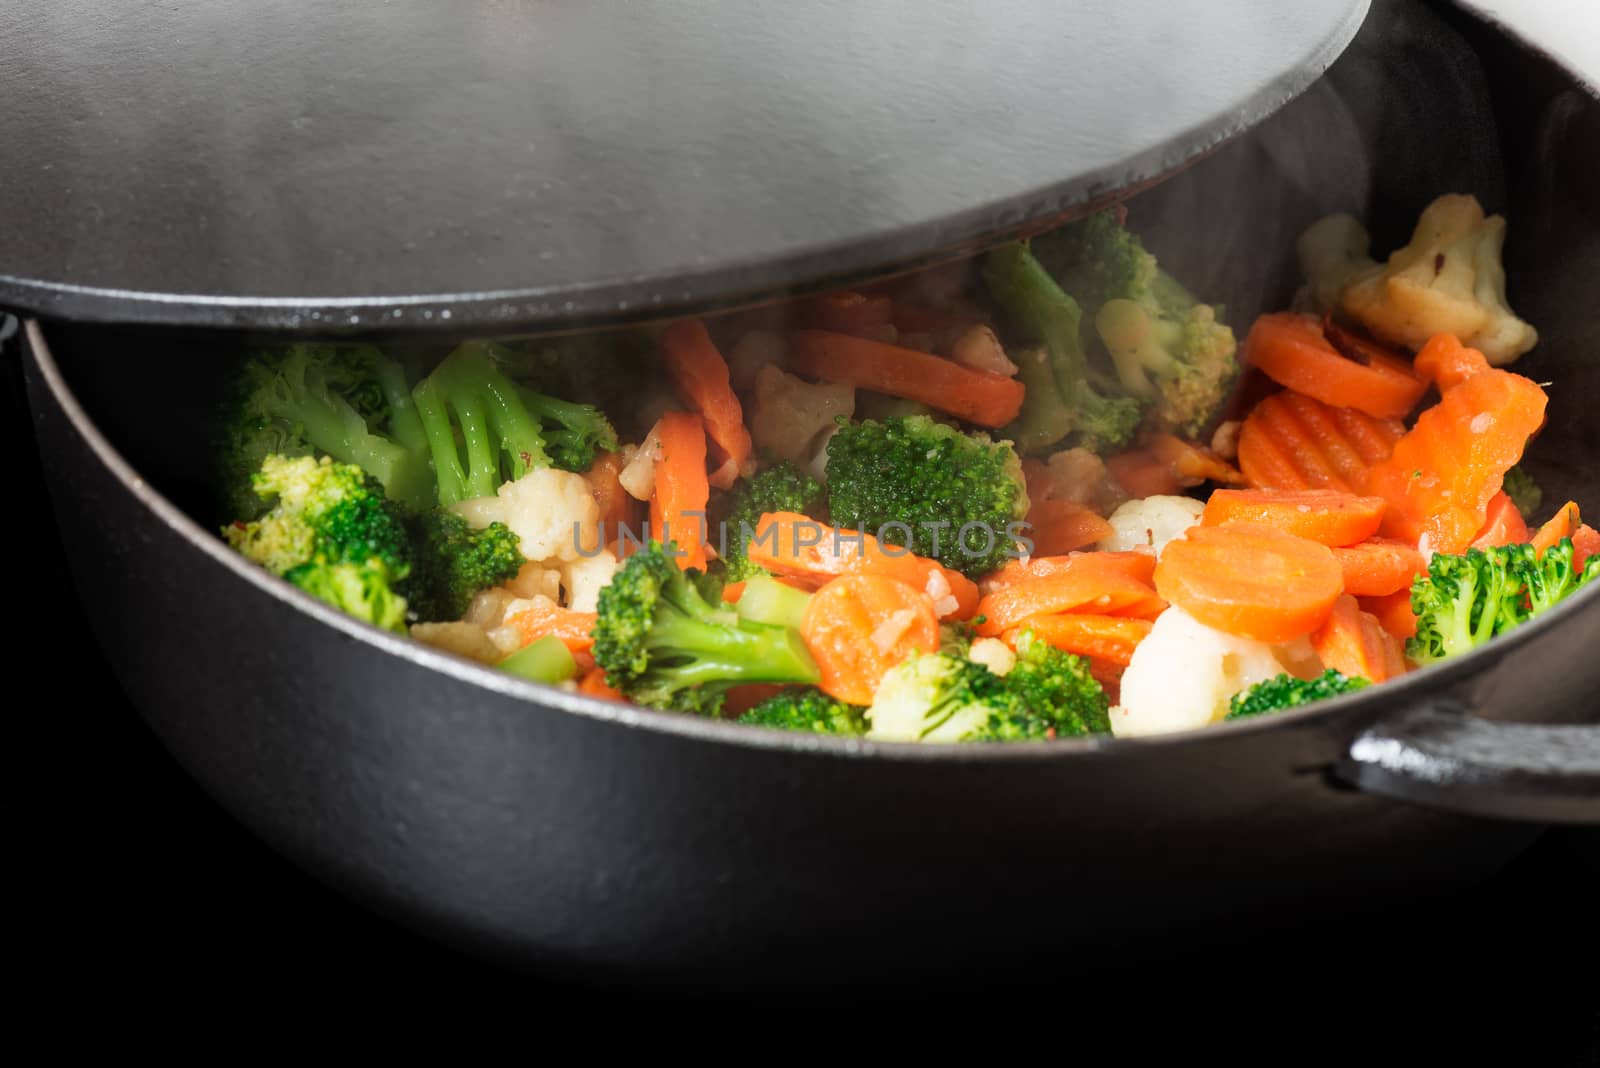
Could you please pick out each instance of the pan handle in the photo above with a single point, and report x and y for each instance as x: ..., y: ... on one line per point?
x: 1440, y: 756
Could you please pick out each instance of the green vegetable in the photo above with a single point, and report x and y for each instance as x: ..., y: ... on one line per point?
x: 330, y: 531
x: 1523, y: 491
x: 933, y: 479
x: 1465, y: 600
x: 1287, y: 691
x: 1057, y: 690
x: 806, y: 708
x: 766, y: 600
x: 452, y: 562
x: 780, y: 488
x: 664, y: 644
x: 545, y: 659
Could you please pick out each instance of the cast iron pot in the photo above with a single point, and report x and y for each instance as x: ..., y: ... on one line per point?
x: 576, y: 835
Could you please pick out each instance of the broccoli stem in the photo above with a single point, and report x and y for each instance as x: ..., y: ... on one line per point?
x: 725, y: 654
x: 766, y: 600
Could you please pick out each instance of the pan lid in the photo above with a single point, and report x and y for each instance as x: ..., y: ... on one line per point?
x: 543, y: 163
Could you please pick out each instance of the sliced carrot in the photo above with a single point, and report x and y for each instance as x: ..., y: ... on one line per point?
x: 1191, y: 462
x: 1585, y: 543
x: 1393, y: 612
x: 1447, y: 363
x: 546, y: 617
x: 857, y: 627
x: 1379, y: 566
x: 1564, y: 524
x: 616, y: 505
x: 593, y: 684
x: 678, y: 505
x: 1290, y: 441
x: 1133, y: 563
x: 1442, y: 474
x: 732, y: 592
x: 1294, y: 351
x: 741, y: 699
x: 1329, y: 516
x: 1108, y: 638
x: 1504, y: 524
x: 849, y: 312
x: 1250, y: 580
x: 1085, y: 584
x: 979, y: 397
x: 1353, y: 643
x: 1057, y: 527
x: 1141, y: 473
x: 701, y: 376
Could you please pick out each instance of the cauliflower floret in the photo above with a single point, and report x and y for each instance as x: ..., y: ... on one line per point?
x: 979, y: 349
x: 462, y: 638
x: 1151, y: 522
x: 993, y: 654
x: 1076, y: 475
x: 1184, y: 673
x: 1447, y: 280
x: 551, y: 511
x: 790, y: 414
x: 536, y: 580
x: 585, y: 577
x: 1333, y: 250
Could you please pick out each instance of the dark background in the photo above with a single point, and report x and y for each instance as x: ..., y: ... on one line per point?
x: 135, y: 877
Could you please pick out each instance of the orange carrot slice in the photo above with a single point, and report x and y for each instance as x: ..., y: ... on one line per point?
x: 1111, y: 639
x: 1441, y: 475
x: 1290, y: 441
x: 1446, y: 362
x: 1353, y: 643
x: 1294, y: 351
x: 1504, y: 524
x: 1057, y: 527
x: 1585, y: 543
x: 1133, y: 563
x: 678, y: 505
x: 857, y: 627
x: 979, y: 397
x: 1379, y: 566
x: 616, y: 506
x: 1085, y: 584
x: 1328, y: 516
x: 1564, y: 524
x: 1191, y: 462
x: 1141, y: 473
x: 593, y: 684
x: 1393, y: 612
x: 1249, y: 580
x: 546, y: 617
x: 701, y: 376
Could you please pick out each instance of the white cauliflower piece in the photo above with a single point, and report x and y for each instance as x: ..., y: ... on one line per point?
x: 462, y: 638
x: 1076, y: 475
x: 1333, y: 250
x: 1183, y: 675
x: 1449, y: 279
x: 551, y: 511
x: 979, y: 349
x: 993, y: 654
x: 535, y: 580
x: 790, y: 414
x: 817, y: 465
x: 585, y: 577
x: 1151, y: 522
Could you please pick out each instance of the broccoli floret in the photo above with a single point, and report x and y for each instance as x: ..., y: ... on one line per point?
x: 453, y: 562
x: 664, y: 644
x: 1523, y: 491
x: 1061, y: 399
x: 1447, y: 280
x: 1056, y: 689
x: 930, y: 481
x: 1549, y: 578
x: 1287, y: 691
x: 806, y: 708
x: 332, y: 532
x: 781, y: 488
x: 573, y: 433
x: 347, y: 401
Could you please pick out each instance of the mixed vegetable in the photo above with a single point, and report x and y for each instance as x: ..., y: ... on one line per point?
x: 1031, y: 497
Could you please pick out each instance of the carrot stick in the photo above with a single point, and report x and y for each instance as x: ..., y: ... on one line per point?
x: 1290, y: 441
x: 1249, y: 580
x: 857, y: 627
x: 1379, y: 567
x: 808, y: 554
x: 678, y: 505
x: 1141, y: 473
x: 1585, y: 543
x: 547, y: 617
x: 1393, y: 612
x: 616, y: 506
x: 701, y: 376
x: 1294, y: 351
x: 1085, y: 584
x: 1447, y: 363
x: 1134, y: 564
x: 1504, y: 524
x: 1108, y: 638
x: 1353, y: 643
x: 979, y: 397
x: 1061, y: 526
x: 1328, y: 516
x: 1441, y: 475
x: 593, y: 684
x: 732, y: 592
x: 1564, y: 524
x: 849, y: 312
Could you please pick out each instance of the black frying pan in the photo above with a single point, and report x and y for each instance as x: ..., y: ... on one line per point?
x: 570, y: 834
